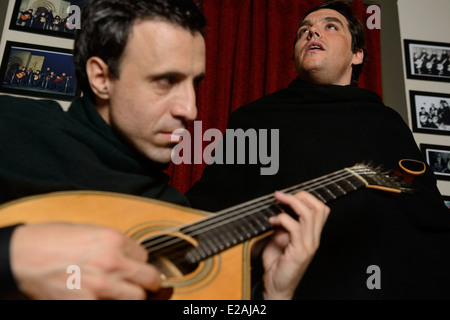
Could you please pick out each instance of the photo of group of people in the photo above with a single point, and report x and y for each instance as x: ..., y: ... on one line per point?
x: 38, y: 71
x: 47, y: 80
x: 43, y: 20
x: 431, y: 112
x: 50, y: 17
x: 430, y: 61
x: 427, y: 60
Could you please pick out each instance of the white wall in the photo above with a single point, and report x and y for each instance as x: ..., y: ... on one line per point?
x: 426, y: 20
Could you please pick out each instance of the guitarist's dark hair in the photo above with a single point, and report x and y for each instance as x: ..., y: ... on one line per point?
x: 106, y: 25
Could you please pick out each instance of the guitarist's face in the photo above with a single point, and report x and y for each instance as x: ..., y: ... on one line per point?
x: 155, y: 92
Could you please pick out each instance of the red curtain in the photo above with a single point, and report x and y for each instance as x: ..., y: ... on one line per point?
x: 249, y: 47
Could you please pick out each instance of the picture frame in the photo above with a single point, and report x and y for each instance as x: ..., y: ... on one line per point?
x: 446, y: 201
x: 430, y: 112
x: 438, y: 158
x: 38, y: 71
x: 45, y: 17
x: 426, y: 60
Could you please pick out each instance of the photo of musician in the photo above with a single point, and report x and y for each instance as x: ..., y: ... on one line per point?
x: 430, y: 61
x: 36, y: 79
x: 44, y: 17
x: 439, y: 160
x: 38, y: 72
x: 25, y: 18
x: 432, y: 112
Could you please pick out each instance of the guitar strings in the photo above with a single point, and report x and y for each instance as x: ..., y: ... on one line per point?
x: 213, y: 222
x: 223, y: 215
x: 247, y: 207
x: 179, y: 256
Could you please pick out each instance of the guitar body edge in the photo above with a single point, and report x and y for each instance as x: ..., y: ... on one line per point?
x: 225, y: 276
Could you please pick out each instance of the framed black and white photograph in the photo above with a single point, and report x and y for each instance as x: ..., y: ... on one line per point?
x: 58, y: 18
x: 427, y: 60
x: 38, y: 71
x: 447, y: 201
x: 430, y: 112
x: 438, y: 157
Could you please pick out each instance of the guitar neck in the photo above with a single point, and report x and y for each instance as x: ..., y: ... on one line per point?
x: 240, y: 223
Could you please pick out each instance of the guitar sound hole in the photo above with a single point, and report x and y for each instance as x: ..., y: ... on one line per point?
x: 170, y: 259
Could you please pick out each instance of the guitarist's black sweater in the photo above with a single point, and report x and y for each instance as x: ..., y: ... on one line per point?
x: 45, y: 149
x: 324, y: 129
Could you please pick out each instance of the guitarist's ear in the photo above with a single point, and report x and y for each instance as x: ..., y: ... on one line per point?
x: 98, y: 75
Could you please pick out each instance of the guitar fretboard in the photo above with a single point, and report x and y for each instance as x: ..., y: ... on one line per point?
x: 240, y: 223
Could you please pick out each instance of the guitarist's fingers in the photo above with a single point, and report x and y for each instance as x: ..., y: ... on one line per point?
x: 321, y: 211
x: 291, y: 249
x: 128, y: 260
x: 134, y: 250
x: 107, y: 288
x: 312, y: 214
x: 145, y: 275
x: 288, y: 240
x: 114, y: 268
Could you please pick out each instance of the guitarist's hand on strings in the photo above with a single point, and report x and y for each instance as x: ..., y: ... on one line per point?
x: 111, y: 265
x: 293, y: 245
